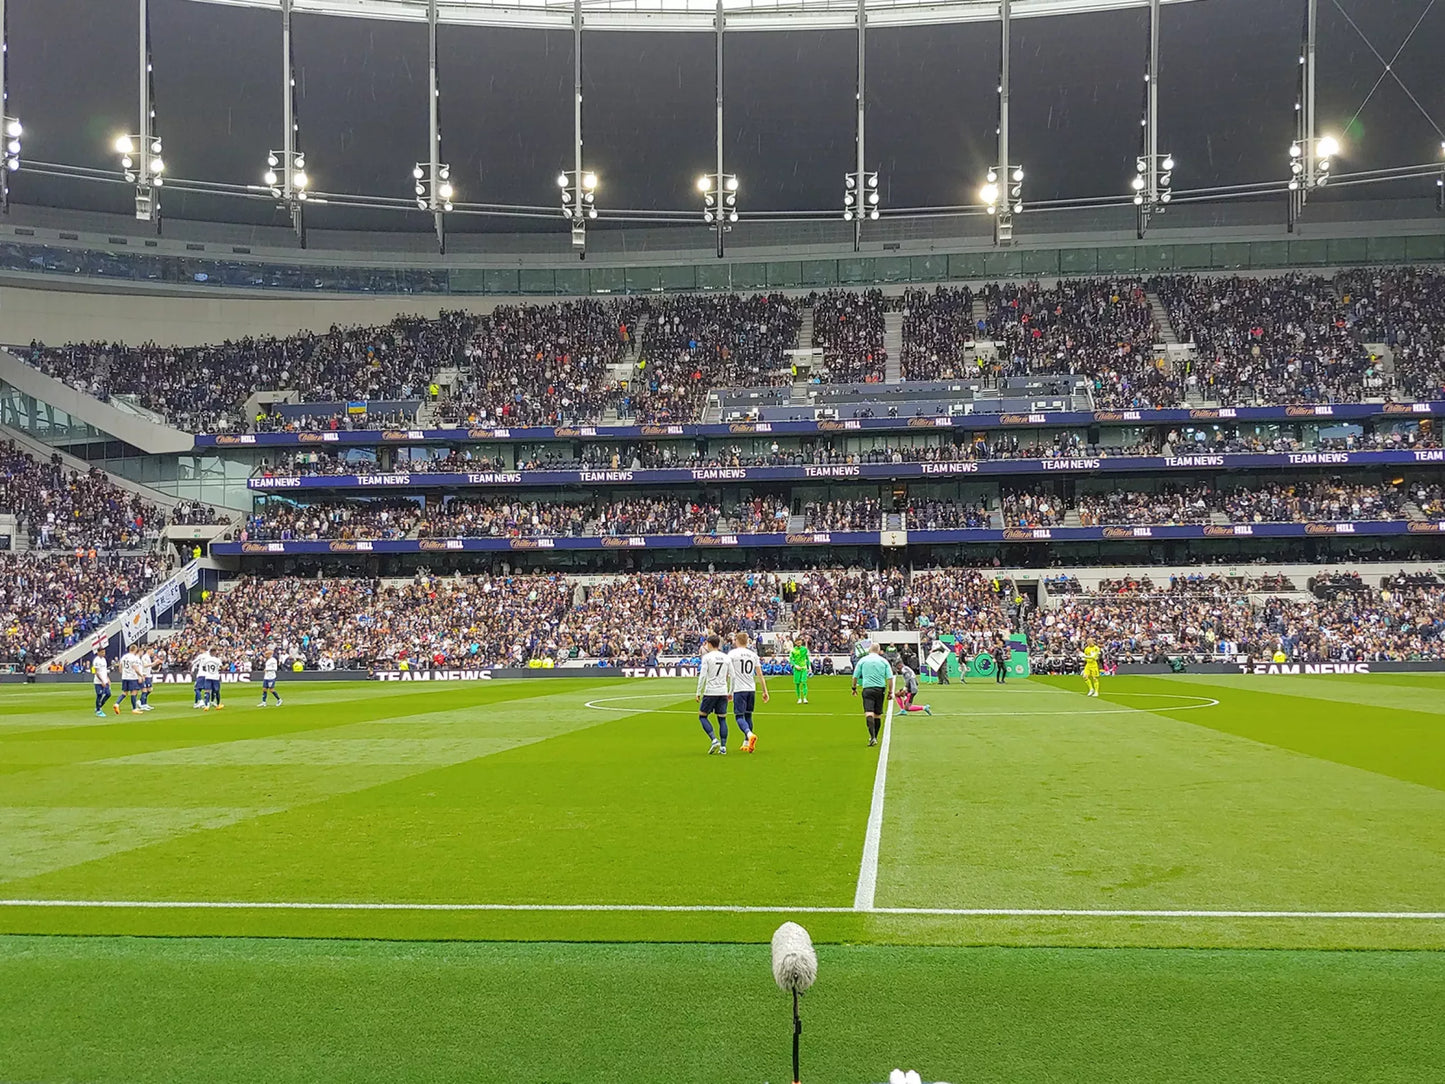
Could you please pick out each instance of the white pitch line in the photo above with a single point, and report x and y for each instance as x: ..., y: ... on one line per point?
x: 708, y: 908
x: 868, y: 868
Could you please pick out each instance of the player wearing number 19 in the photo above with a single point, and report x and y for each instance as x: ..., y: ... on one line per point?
x: 745, y: 675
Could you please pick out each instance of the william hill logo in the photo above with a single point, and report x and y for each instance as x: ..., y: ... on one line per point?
x: 837, y: 427
x: 715, y: 540
x: 567, y: 432
x: 809, y: 539
x: 1329, y: 528
x: 254, y: 547
x: 1205, y: 414
x: 1406, y: 408
x: 310, y: 438
x: 1425, y: 528
x: 610, y: 543
x: 1015, y: 534
x: 342, y: 547
x: 750, y: 427
x: 1128, y: 532
x: 662, y: 430
x: 532, y: 544
x: 234, y: 440
x: 1309, y: 411
x: 395, y: 434
x: 928, y: 423
x: 1011, y: 419
x: 432, y: 544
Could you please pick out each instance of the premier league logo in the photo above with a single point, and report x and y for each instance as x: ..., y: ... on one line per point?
x: 984, y: 664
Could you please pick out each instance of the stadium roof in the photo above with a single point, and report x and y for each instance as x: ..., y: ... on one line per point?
x: 1227, y: 92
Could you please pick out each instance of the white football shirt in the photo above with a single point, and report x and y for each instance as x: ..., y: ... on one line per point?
x: 743, y: 664
x: 130, y: 666
x: 712, y: 675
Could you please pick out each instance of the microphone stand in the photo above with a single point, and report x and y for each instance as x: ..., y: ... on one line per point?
x: 797, y: 1031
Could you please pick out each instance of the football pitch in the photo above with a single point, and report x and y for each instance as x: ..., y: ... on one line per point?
x: 551, y: 880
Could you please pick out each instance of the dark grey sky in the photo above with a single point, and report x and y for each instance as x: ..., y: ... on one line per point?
x: 1226, y: 98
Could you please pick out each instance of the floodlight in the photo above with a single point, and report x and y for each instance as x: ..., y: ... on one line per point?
x: 445, y: 191
x: 592, y: 212
x: 417, y: 173
x: 1019, y: 174
x: 873, y: 214
x: 272, y: 161
x: 299, y: 179
x: 561, y: 180
x: 1138, y: 200
x: 270, y: 177
x: 872, y: 197
x: 158, y: 165
x: 1294, y: 150
x: 589, y: 180
x: 989, y: 192
x: 992, y: 176
x: 732, y: 184
x: 733, y: 217
x: 1138, y: 184
x: 13, y: 129
x: 124, y: 145
x: 1168, y: 164
x: 704, y: 184
x: 872, y: 180
x: 847, y: 214
x: 1328, y: 146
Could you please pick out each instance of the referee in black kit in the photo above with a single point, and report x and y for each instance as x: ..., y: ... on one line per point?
x: 1000, y: 660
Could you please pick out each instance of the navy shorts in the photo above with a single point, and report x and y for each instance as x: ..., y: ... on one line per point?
x: 129, y: 685
x: 713, y: 705
x: 213, y: 686
x: 743, y: 703
x: 268, y: 683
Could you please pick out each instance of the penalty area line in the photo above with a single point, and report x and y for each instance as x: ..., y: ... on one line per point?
x: 715, y: 908
x: 868, y: 867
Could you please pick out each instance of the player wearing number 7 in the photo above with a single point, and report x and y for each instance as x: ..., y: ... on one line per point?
x: 745, y: 677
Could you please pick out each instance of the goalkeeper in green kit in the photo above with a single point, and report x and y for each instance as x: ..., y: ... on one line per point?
x: 802, y: 664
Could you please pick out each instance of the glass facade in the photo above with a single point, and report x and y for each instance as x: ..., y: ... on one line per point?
x: 1142, y: 258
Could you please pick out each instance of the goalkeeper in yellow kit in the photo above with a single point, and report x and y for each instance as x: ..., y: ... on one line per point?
x: 1092, y: 654
x: 802, y: 664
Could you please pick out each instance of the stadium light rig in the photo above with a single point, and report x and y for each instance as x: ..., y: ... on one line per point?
x: 860, y: 197
x: 11, y: 130
x: 579, y: 204
x: 434, y: 191
x: 1440, y: 184
x: 1152, y: 186
x: 144, y: 165
x: 1002, y: 195
x: 719, y: 202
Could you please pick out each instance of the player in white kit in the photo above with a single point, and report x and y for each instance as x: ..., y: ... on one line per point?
x: 745, y: 675
x: 268, y: 676
x: 208, y: 674
x: 129, y: 681
x: 712, y: 693
x: 147, y: 678
x: 100, y: 678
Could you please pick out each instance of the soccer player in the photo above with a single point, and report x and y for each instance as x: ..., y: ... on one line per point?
x: 1092, y: 655
x: 100, y: 677
x: 129, y: 681
x: 904, y: 697
x: 208, y: 679
x: 712, y: 693
x: 148, y: 666
x: 268, y: 677
x: 745, y: 675
x: 874, y: 674
x: 802, y: 664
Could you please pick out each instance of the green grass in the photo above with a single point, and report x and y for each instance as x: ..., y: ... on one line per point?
x: 1297, y: 794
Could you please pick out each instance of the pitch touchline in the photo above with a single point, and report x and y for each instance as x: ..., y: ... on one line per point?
x: 608, y: 703
x: 708, y: 908
x: 868, y: 867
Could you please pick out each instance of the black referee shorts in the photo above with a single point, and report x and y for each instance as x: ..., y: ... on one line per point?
x: 873, y: 699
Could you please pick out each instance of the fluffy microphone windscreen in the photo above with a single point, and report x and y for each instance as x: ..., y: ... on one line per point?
x: 795, y: 964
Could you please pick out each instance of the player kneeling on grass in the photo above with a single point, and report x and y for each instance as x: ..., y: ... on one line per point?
x: 873, y: 673
x: 745, y: 673
x: 268, y: 676
x: 712, y: 692
x: 802, y: 664
x: 903, y: 694
x: 1092, y: 654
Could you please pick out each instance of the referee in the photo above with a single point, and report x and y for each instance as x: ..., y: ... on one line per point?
x: 874, y: 674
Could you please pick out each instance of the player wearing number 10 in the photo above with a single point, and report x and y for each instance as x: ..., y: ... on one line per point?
x: 745, y: 675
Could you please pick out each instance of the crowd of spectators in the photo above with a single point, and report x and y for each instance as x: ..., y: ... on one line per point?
x: 49, y: 602
x: 1032, y: 508
x: 947, y: 515
x: 938, y: 328
x: 64, y: 509
x: 1403, y: 308
x: 1302, y: 502
x: 500, y: 518
x: 204, y: 388
x: 849, y: 514
x: 1097, y: 328
x: 694, y: 344
x: 541, y: 364
x: 278, y: 521
x: 1119, y: 507
x: 1269, y: 340
x: 849, y: 327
